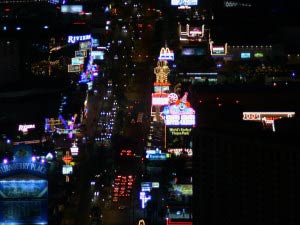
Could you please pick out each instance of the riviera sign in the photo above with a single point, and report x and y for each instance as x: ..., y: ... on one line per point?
x: 73, y: 39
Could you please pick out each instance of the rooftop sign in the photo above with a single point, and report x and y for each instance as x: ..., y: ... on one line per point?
x: 72, y: 39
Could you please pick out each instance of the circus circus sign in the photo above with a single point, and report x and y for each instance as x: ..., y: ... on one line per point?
x: 179, y: 113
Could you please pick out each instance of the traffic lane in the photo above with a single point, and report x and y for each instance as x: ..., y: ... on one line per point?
x: 116, y: 217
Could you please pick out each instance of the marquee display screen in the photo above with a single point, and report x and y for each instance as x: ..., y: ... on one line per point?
x: 16, y: 189
x: 245, y: 55
x: 184, y: 2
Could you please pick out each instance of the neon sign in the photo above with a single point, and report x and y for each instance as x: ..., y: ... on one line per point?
x: 245, y: 55
x: 71, y: 8
x: 218, y: 50
x: 67, y: 169
x: 74, y: 150
x: 166, y: 54
x: 98, y: 55
x: 80, y: 53
x: 161, y: 87
x: 184, y: 2
x: 24, y: 128
x: 75, y: 68
x: 185, y: 189
x: 31, y: 167
x: 258, y: 116
x: 160, y: 99
x: 169, y: 222
x: 180, y: 113
x: 26, y: 189
x: 73, y: 39
x: 267, y: 118
x: 180, y: 120
x: 77, y: 60
x: 144, y: 197
x: 85, y: 45
x: 23, y: 163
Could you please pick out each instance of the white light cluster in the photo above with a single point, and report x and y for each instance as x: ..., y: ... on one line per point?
x: 160, y: 101
x: 24, y: 128
x: 184, y: 120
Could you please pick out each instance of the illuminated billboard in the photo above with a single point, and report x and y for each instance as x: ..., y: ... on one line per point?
x: 160, y: 99
x: 77, y: 60
x: 258, y: 55
x: 180, y: 131
x: 218, y: 50
x: 245, y: 55
x: 74, y: 150
x: 267, y: 118
x: 184, y: 2
x: 16, y: 189
x: 25, y: 127
x: 23, y: 200
x: 95, y: 43
x: 166, y: 54
x: 75, y: 68
x: 71, y: 8
x: 67, y: 169
x: 159, y: 88
x: 72, y: 39
x: 81, y: 53
x: 23, y: 162
x: 156, y: 155
x: 259, y: 116
x: 85, y: 45
x: 144, y: 197
x: 179, y: 113
x: 97, y: 55
x: 180, y: 120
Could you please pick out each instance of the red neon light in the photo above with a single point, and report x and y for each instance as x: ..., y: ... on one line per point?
x: 169, y: 222
x: 273, y: 118
x: 161, y: 84
x: 79, y: 23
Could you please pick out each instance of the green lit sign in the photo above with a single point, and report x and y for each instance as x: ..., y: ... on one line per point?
x: 258, y: 55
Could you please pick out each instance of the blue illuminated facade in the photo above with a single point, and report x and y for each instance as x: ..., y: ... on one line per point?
x: 23, y: 200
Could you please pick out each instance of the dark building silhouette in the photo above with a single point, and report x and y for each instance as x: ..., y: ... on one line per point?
x: 9, y: 60
x: 243, y: 174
